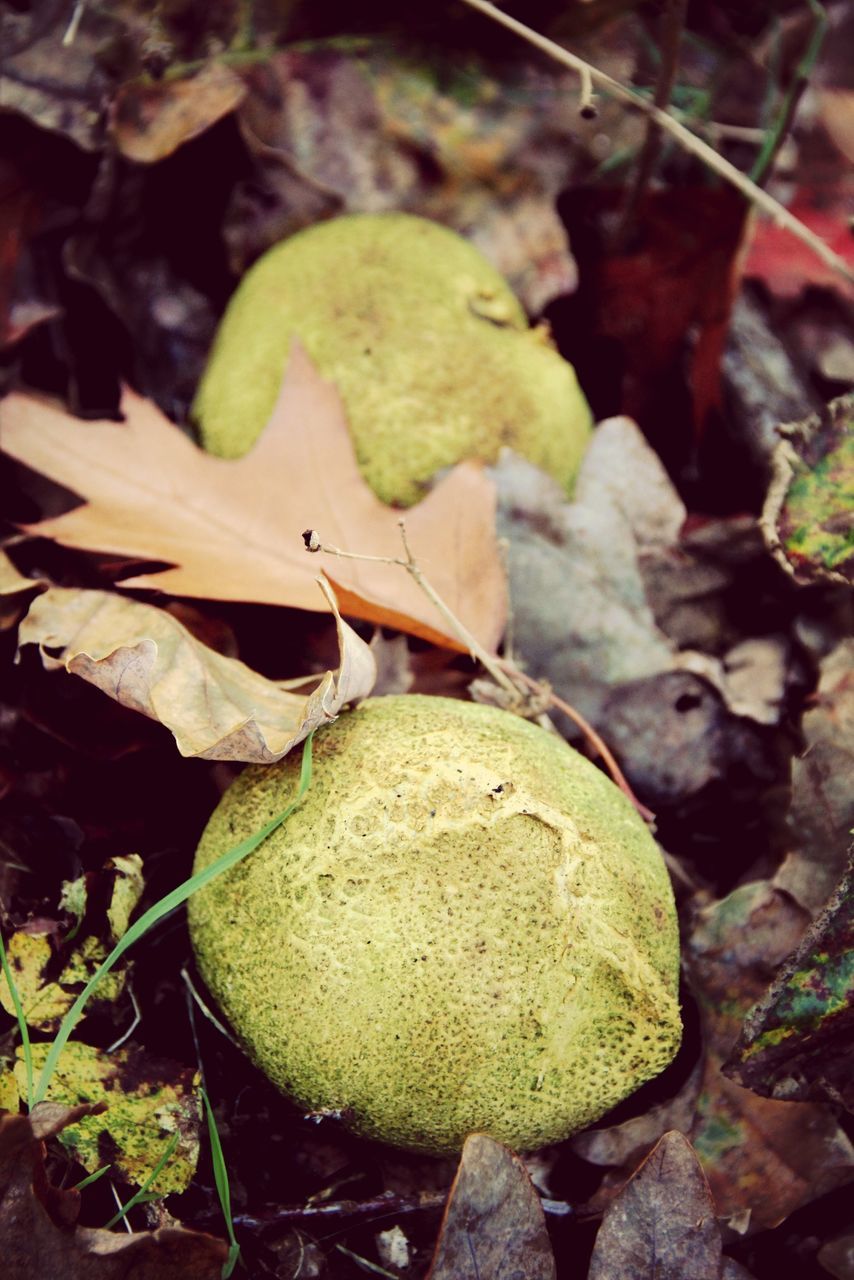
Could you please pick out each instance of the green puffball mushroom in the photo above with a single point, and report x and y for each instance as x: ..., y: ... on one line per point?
x: 464, y: 927
x: 426, y: 343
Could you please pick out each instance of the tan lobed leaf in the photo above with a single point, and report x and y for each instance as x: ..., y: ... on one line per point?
x: 216, y: 707
x: 232, y: 528
x: 494, y: 1222
x: 38, y: 1221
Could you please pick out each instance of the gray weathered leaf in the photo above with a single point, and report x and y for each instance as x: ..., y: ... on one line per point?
x: 662, y: 1225
x: 494, y: 1223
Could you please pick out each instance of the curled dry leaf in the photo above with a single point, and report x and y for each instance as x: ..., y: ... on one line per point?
x: 151, y: 119
x: 808, y: 517
x: 798, y: 1040
x: 38, y: 1221
x: 13, y: 588
x: 662, y: 1226
x: 764, y: 1158
x: 232, y: 528
x: 216, y: 707
x: 494, y: 1222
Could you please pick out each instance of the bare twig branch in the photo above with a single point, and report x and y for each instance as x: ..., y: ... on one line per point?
x: 505, y: 673
x: 410, y: 564
x: 688, y: 140
x: 586, y: 98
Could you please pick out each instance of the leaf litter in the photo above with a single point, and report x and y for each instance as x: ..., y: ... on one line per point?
x: 692, y: 586
x: 39, y: 1222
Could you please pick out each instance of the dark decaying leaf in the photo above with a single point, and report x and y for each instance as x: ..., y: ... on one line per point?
x: 662, y: 1225
x: 763, y: 1158
x: 494, y: 1223
x: 798, y: 1041
x: 37, y: 1221
x: 808, y: 518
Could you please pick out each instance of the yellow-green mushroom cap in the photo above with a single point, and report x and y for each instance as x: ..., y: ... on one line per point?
x: 464, y: 927
x: 425, y: 341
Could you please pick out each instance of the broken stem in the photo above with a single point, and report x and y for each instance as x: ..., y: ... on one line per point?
x: 673, y: 23
x: 776, y: 136
x: 686, y: 139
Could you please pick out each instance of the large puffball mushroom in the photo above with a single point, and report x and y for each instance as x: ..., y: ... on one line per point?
x: 426, y: 343
x: 463, y: 927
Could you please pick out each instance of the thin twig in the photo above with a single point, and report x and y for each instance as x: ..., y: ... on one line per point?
x: 775, y: 137
x: 672, y: 26
x: 74, y: 24
x: 312, y: 543
x: 505, y: 673
x: 386, y: 1202
x: 691, y: 143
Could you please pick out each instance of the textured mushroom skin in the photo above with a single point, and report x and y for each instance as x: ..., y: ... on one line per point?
x: 464, y: 927
x: 426, y: 343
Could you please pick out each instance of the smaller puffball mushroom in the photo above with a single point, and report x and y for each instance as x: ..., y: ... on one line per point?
x: 428, y: 346
x: 463, y: 927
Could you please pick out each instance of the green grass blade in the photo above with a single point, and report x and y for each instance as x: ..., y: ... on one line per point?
x: 22, y: 1021
x: 92, y: 1177
x: 140, y: 1194
x: 151, y: 917
x: 223, y: 1190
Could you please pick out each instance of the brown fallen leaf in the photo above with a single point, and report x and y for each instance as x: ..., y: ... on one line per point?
x: 232, y: 528
x: 662, y: 1225
x: 152, y: 119
x: 494, y: 1222
x: 37, y: 1221
x: 216, y: 707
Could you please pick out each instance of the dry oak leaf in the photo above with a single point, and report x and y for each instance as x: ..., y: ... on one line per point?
x: 216, y: 707
x: 38, y: 1235
x: 232, y: 528
x: 494, y: 1223
x: 662, y: 1226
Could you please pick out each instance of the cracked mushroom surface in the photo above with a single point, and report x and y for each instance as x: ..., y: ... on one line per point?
x: 463, y: 927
